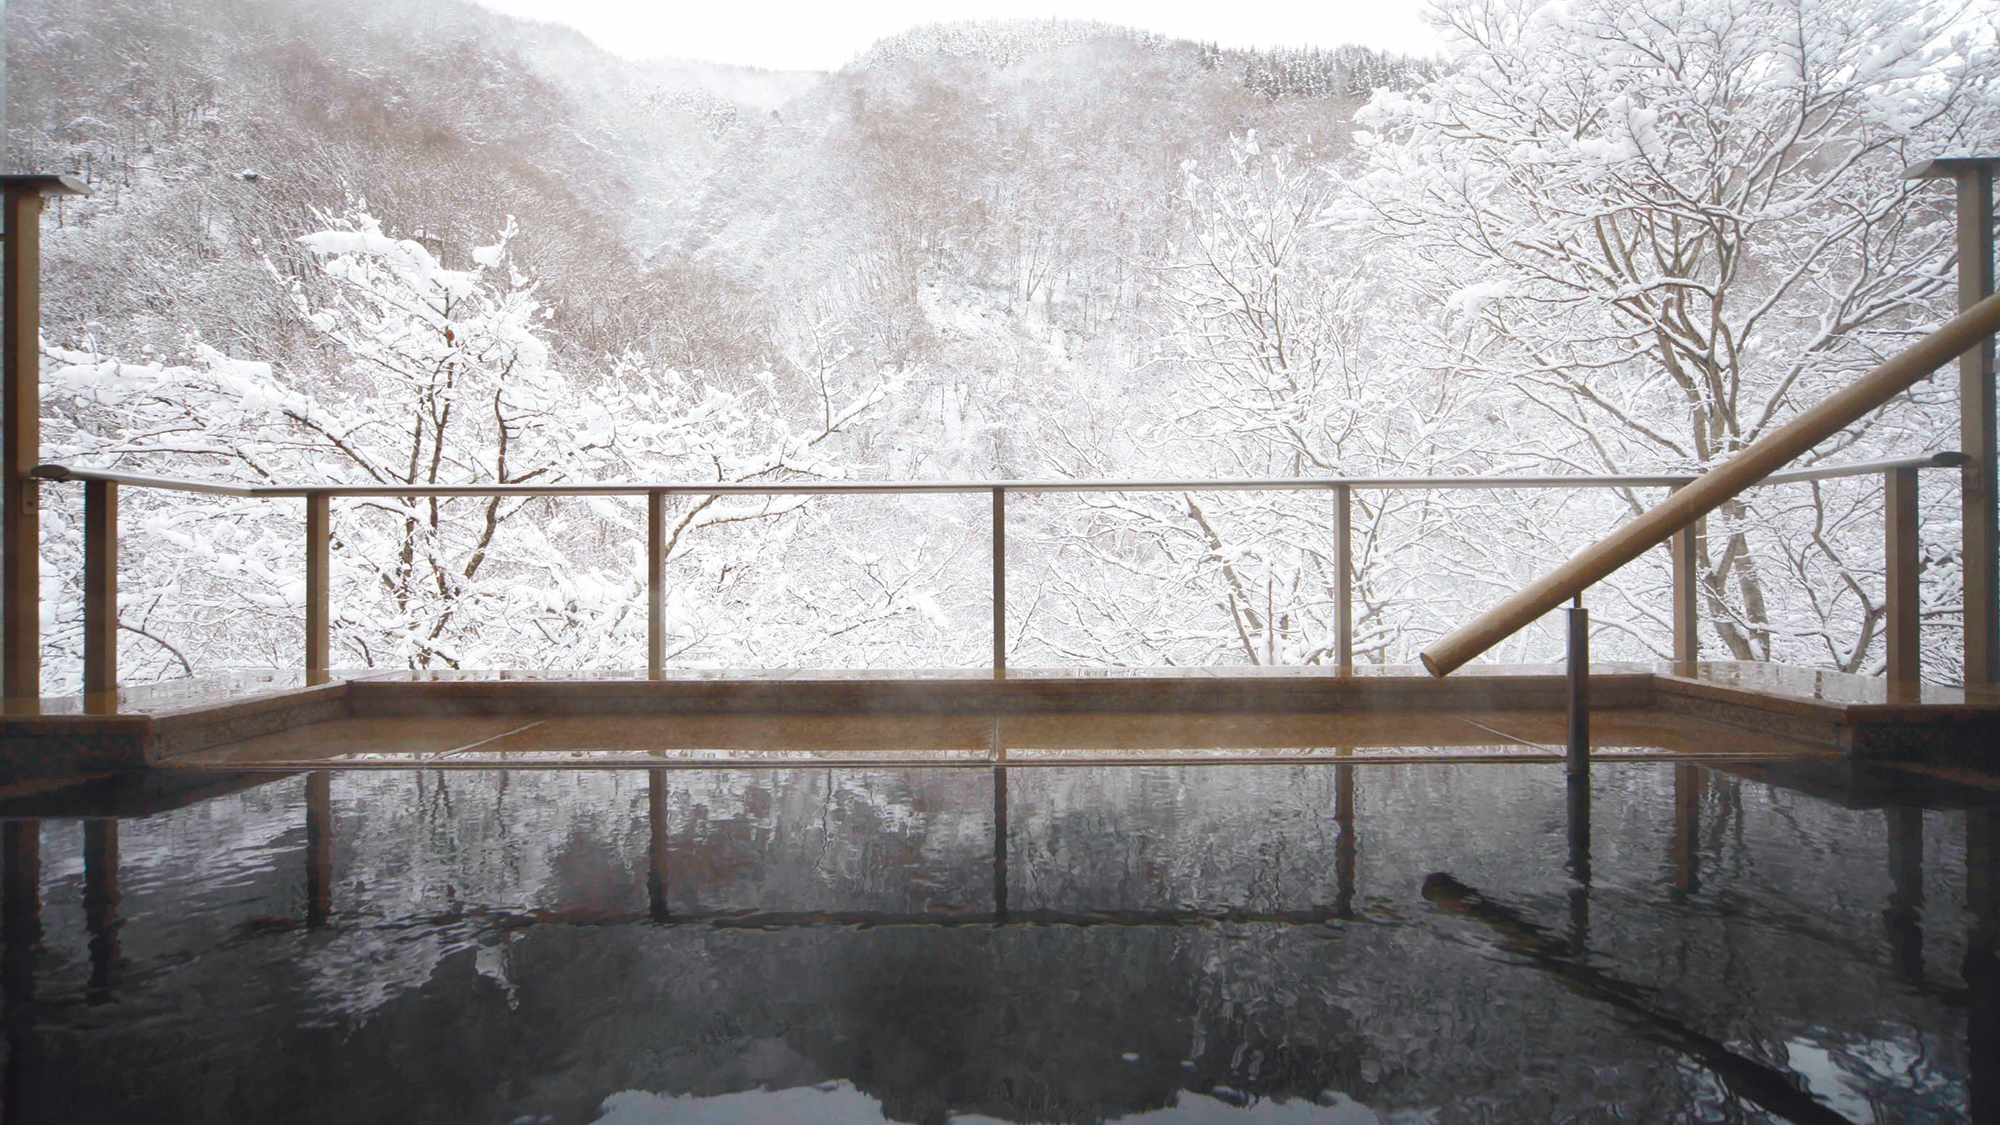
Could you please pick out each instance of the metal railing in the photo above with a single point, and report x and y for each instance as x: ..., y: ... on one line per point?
x: 101, y: 489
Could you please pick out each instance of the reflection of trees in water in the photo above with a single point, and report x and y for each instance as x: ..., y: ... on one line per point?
x: 414, y: 1000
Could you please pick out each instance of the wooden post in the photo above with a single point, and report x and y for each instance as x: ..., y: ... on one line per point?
x: 1683, y: 548
x: 1905, y: 665
x: 100, y: 593
x: 656, y: 583
x: 1977, y: 516
x: 319, y: 559
x: 21, y: 430
x: 999, y: 583
x: 1343, y: 579
x: 1976, y: 433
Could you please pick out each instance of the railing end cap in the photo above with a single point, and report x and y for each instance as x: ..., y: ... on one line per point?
x: 44, y: 183
x: 1944, y: 167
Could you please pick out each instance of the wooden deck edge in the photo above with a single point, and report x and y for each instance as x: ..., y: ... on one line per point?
x: 35, y: 746
x: 803, y: 696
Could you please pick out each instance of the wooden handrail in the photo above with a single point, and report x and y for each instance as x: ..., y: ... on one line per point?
x: 1749, y: 467
x: 65, y: 473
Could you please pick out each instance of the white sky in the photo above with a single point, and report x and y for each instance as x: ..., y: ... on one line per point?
x: 787, y: 35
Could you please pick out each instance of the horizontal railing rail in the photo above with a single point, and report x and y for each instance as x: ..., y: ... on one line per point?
x: 101, y: 488
x: 921, y: 487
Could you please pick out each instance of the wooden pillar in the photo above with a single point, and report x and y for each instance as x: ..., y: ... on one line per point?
x: 319, y: 560
x: 100, y: 593
x: 999, y: 583
x: 1976, y: 433
x: 21, y: 429
x: 1687, y: 597
x: 1903, y: 629
x: 1343, y: 578
x: 656, y: 583
x: 1978, y: 518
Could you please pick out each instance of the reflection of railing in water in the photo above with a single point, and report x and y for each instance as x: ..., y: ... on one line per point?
x: 1565, y: 954
x: 101, y: 491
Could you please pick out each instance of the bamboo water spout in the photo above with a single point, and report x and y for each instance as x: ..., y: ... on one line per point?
x: 1709, y: 491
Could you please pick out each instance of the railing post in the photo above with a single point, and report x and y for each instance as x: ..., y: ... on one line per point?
x: 1343, y: 579
x: 656, y: 583
x: 1978, y: 517
x: 100, y: 590
x: 319, y: 634
x: 1686, y: 594
x: 1903, y: 629
x: 999, y: 583
x: 1976, y: 433
x: 1578, y: 759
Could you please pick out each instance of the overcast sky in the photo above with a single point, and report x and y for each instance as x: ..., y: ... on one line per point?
x: 823, y: 36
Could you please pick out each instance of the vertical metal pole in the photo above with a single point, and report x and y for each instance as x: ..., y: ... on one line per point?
x: 1578, y: 760
x: 1976, y: 433
x: 656, y: 583
x: 100, y: 902
x: 656, y: 821
x: 1687, y: 598
x: 21, y: 552
x: 1903, y: 624
x: 319, y: 559
x: 100, y: 593
x: 999, y: 583
x: 1343, y: 578
x: 319, y: 847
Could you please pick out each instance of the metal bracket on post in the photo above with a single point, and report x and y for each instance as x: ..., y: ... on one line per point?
x: 1578, y: 760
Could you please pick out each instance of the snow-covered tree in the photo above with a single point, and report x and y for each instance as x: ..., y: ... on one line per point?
x: 1664, y: 229
x: 437, y: 377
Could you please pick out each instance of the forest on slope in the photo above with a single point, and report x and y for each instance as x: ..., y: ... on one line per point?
x: 424, y: 243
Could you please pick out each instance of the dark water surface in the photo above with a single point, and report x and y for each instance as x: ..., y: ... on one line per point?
x: 1220, y: 944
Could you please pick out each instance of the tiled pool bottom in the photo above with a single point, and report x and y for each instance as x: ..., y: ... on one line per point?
x: 1435, y: 943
